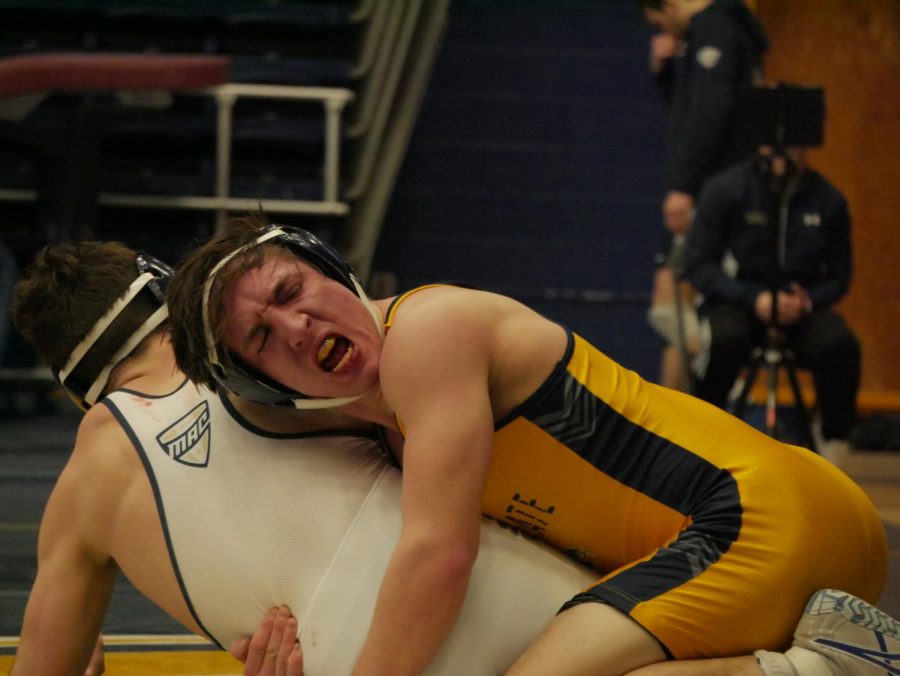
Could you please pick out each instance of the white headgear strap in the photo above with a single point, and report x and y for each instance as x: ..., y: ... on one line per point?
x: 101, y: 326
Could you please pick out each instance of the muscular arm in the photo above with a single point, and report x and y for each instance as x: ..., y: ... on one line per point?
x: 74, y: 580
x: 435, y: 375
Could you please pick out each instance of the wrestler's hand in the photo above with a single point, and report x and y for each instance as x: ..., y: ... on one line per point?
x: 273, y: 650
x: 97, y: 665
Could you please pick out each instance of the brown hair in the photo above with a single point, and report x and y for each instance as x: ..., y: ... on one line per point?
x: 185, y: 294
x: 66, y: 289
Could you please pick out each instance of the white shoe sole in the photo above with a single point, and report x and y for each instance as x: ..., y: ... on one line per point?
x: 879, y: 658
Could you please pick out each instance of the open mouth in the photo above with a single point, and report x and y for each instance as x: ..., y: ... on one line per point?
x: 334, y: 353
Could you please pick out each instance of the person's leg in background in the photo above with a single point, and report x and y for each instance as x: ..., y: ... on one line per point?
x: 733, y: 332
x: 825, y: 344
x: 662, y: 317
x: 673, y: 316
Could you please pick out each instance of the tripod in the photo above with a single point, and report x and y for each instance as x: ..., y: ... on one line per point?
x: 775, y: 353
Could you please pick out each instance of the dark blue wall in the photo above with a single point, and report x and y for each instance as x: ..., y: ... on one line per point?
x: 534, y: 168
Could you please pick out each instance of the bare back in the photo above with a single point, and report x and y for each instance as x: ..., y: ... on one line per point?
x: 104, y: 491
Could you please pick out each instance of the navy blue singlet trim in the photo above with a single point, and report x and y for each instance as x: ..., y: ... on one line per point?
x: 142, y: 454
x: 391, y: 305
x: 568, y: 411
x: 658, y: 468
x: 533, y: 402
x: 152, y: 396
x: 637, y: 457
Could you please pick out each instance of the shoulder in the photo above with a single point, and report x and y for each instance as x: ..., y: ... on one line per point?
x: 822, y: 184
x: 99, y: 426
x: 437, y: 322
x: 101, y: 460
x: 825, y: 191
x: 715, y: 23
x: 440, y: 307
x: 90, y: 485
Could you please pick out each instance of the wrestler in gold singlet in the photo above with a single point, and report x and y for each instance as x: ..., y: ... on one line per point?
x: 700, y: 524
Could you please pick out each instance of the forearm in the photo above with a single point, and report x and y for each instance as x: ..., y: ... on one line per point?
x: 714, y: 284
x: 420, y: 597
x: 838, y: 263
x: 692, y: 154
x: 65, y: 610
x: 691, y: 161
x: 50, y: 645
x: 827, y: 292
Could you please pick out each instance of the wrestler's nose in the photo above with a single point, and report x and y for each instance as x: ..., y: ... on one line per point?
x: 293, y: 326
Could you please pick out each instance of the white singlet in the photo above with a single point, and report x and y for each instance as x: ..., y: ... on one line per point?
x: 254, y: 520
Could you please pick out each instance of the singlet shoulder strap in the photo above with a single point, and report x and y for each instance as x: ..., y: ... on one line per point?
x: 392, y: 309
x: 389, y: 321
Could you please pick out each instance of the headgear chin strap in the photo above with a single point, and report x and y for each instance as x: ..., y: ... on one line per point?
x: 243, y: 379
x: 85, y: 388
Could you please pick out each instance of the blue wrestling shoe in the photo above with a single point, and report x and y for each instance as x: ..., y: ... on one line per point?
x: 853, y: 637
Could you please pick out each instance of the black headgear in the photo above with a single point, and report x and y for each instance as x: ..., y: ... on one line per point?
x: 248, y: 382
x: 85, y: 385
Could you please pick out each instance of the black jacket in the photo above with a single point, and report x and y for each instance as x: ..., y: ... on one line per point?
x: 735, y: 213
x: 723, y: 53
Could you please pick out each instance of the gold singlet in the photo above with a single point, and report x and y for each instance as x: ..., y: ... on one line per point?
x: 704, y: 528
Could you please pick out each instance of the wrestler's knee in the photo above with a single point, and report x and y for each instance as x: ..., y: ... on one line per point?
x: 590, y: 637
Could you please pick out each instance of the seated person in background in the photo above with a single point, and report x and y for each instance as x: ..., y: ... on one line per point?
x: 706, y: 534
x: 217, y: 508
x: 815, y: 264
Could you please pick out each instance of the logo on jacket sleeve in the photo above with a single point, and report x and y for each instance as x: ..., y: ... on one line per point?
x: 187, y: 440
x: 812, y: 219
x: 709, y: 56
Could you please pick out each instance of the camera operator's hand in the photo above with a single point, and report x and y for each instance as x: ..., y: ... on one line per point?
x: 763, y: 307
x: 678, y: 212
x: 793, y: 305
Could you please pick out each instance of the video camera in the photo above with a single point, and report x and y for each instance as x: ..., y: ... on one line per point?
x: 781, y: 116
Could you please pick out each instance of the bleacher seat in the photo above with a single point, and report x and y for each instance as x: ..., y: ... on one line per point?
x: 149, y: 27
x: 30, y: 26
x: 220, y: 149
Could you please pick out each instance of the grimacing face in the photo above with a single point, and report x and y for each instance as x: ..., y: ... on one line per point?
x: 302, y: 329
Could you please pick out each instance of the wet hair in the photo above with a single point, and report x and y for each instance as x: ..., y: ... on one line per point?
x: 199, y: 305
x: 64, y: 292
x: 185, y: 293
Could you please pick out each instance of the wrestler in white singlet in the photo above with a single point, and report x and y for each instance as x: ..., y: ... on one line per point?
x: 254, y: 520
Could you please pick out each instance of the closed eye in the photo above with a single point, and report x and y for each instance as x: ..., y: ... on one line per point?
x: 284, y: 293
x: 263, y: 336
